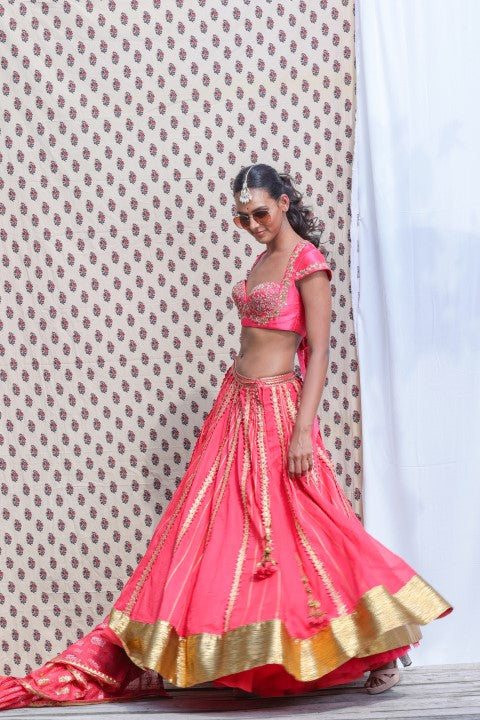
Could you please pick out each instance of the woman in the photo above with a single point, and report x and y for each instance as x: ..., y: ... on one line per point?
x: 259, y: 576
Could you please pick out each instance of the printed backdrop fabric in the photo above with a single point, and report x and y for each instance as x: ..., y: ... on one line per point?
x: 122, y: 124
x: 417, y: 304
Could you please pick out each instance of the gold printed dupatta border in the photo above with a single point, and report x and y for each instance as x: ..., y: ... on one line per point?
x: 380, y: 622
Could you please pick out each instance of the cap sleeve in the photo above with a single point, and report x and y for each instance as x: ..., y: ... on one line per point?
x: 309, y: 261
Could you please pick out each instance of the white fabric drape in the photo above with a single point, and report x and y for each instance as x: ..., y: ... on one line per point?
x: 416, y: 244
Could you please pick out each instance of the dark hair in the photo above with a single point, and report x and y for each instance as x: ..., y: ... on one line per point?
x: 299, y: 216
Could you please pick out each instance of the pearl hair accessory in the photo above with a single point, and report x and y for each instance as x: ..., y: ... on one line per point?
x: 245, y: 194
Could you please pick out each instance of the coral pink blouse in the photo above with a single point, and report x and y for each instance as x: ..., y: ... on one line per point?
x: 278, y: 305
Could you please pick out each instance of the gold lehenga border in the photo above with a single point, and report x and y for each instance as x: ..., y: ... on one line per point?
x: 381, y: 622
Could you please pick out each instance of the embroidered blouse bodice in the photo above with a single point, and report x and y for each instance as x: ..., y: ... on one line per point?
x: 278, y: 305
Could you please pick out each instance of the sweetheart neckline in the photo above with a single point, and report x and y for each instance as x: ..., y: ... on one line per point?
x: 255, y: 287
x: 275, y: 282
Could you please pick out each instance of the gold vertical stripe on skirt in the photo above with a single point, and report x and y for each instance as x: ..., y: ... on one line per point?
x: 205, y: 485
x: 154, y: 555
x: 292, y: 409
x: 224, y: 482
x: 189, y: 476
x: 278, y: 423
x: 266, y: 515
x: 246, y: 524
x: 320, y: 568
x: 200, y: 495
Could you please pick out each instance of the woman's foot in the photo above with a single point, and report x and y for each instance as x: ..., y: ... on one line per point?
x: 383, y: 678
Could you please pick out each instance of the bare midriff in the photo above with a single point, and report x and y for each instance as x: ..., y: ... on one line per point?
x: 264, y: 353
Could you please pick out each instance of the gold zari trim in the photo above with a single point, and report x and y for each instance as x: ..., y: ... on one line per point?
x: 381, y: 622
x: 89, y: 670
x: 270, y: 380
x: 246, y: 523
x: 313, y: 267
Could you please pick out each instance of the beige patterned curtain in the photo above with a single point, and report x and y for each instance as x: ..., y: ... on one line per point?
x: 122, y: 124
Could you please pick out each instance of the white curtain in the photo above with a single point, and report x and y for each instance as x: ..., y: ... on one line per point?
x: 416, y: 246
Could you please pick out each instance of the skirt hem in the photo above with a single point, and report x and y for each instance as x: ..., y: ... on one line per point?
x: 380, y: 623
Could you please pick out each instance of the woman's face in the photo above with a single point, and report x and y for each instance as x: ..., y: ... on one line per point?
x: 262, y: 216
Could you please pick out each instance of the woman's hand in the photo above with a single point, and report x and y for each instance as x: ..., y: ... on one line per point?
x: 300, y: 452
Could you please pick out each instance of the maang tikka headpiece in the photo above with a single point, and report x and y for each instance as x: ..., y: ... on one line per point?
x: 245, y: 194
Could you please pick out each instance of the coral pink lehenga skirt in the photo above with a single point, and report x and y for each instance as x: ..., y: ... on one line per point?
x: 252, y: 579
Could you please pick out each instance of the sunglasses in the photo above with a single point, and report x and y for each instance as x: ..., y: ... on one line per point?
x: 242, y: 220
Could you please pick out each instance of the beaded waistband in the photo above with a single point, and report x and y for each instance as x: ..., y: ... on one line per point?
x: 272, y: 380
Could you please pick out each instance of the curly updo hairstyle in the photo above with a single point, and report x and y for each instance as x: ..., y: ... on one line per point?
x: 299, y: 216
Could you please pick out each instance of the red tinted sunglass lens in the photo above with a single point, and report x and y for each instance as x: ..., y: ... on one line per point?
x: 241, y: 221
x: 261, y: 215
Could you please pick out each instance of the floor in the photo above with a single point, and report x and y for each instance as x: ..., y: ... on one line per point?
x: 449, y: 692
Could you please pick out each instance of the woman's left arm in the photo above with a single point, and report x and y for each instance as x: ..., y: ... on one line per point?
x: 315, y: 293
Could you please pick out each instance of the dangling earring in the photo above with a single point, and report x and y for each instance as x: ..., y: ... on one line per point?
x: 245, y: 194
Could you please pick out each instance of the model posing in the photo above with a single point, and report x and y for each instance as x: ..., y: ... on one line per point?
x: 259, y: 576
